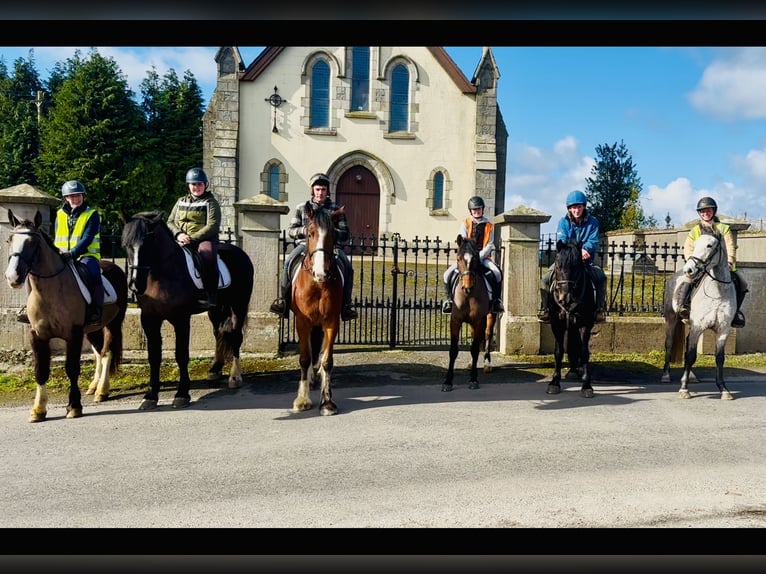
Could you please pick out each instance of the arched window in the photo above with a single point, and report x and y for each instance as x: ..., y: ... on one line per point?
x: 360, y: 79
x: 273, y: 188
x: 438, y: 199
x: 320, y: 95
x: 400, y: 86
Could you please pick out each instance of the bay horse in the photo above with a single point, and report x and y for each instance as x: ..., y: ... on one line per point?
x: 571, y: 306
x: 167, y: 287
x: 317, y: 299
x: 56, y: 308
x: 471, y: 306
x: 713, y: 304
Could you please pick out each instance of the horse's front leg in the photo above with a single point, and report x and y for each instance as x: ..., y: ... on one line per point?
x: 486, y: 345
x: 326, y: 404
x: 554, y: 387
x: 42, y: 358
x: 478, y: 338
x: 72, y: 368
x: 182, y: 328
x: 302, y: 400
x: 453, y: 352
x: 152, y: 331
x: 101, y: 342
x: 720, y: 357
x: 690, y: 357
x: 586, y: 390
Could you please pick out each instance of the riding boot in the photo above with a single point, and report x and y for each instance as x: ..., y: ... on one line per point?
x: 282, y: 305
x: 348, y: 312
x: 543, y: 315
x: 739, y: 318
x: 496, y: 305
x: 21, y: 316
x: 682, y: 298
x: 447, y: 303
x: 93, y: 315
x: 600, y: 307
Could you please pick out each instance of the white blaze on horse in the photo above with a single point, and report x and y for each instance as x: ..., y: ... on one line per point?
x: 713, y: 304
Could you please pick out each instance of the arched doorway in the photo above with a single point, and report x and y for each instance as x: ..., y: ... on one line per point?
x: 359, y: 191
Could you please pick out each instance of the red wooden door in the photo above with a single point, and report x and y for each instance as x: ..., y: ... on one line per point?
x: 359, y: 191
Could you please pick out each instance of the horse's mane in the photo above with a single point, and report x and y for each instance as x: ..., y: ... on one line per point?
x: 323, y: 218
x: 467, y: 245
x: 139, y: 225
x: 569, y: 255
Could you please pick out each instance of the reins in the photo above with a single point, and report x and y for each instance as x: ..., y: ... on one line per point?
x: 33, y: 260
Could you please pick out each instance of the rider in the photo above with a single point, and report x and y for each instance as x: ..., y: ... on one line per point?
x: 320, y: 186
x: 579, y: 226
x: 709, y: 223
x: 482, y: 231
x: 77, y: 234
x: 195, y: 222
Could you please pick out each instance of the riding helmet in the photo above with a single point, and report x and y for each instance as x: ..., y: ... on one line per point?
x: 707, y: 202
x: 475, y: 202
x: 319, y: 179
x: 576, y: 197
x: 72, y: 187
x: 196, y: 175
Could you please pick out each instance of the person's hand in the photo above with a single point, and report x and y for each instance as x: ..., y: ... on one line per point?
x: 585, y: 254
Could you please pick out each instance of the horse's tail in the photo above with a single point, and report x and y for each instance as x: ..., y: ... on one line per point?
x: 224, y: 346
x: 119, y: 281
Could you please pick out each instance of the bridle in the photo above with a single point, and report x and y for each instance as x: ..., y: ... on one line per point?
x: 703, y: 265
x: 31, y: 261
x: 573, y: 289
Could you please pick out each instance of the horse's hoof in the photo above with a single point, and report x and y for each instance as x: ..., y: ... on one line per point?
x: 473, y: 385
x: 684, y: 394
x: 487, y: 369
x: 726, y: 396
x: 100, y: 398
x: 299, y: 406
x: 446, y: 388
x: 90, y: 390
x: 181, y: 402
x: 147, y: 405
x: 328, y: 410
x: 586, y: 393
x: 37, y: 417
x: 235, y: 382
x: 665, y: 379
x: 553, y: 390
x: 73, y: 412
x: 213, y: 375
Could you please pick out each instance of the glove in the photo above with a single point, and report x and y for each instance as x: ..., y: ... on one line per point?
x: 66, y: 256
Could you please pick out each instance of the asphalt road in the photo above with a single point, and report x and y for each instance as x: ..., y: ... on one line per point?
x: 400, y: 453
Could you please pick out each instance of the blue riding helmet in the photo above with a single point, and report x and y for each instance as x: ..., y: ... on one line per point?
x: 72, y: 187
x: 576, y: 197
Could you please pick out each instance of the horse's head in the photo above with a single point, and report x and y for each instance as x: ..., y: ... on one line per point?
x: 468, y: 263
x: 26, y: 254
x: 140, y: 241
x: 320, y: 242
x: 569, y: 275
x: 708, y: 252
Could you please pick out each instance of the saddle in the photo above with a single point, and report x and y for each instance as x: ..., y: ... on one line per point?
x: 296, y: 263
x: 194, y: 265
x: 454, y: 279
x: 85, y: 283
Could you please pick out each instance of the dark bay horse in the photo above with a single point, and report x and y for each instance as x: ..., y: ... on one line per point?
x: 317, y: 299
x: 471, y: 304
x: 161, y: 277
x: 571, y: 304
x: 712, y: 306
x: 56, y: 309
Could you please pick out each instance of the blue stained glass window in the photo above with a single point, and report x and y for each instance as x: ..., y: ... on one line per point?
x: 438, y: 191
x: 399, y: 116
x: 319, y: 116
x: 360, y: 78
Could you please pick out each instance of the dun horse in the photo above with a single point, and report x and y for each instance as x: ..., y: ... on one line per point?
x: 571, y: 303
x: 167, y: 285
x: 471, y: 304
x: 56, y: 309
x: 713, y: 305
x: 316, y: 303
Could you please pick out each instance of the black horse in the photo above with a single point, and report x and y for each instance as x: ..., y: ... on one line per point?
x: 572, y: 305
x: 160, y: 276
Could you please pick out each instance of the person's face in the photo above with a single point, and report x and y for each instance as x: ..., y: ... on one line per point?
x: 74, y: 200
x: 197, y: 188
x: 576, y: 210
x: 706, y: 213
x: 319, y: 192
x: 476, y: 212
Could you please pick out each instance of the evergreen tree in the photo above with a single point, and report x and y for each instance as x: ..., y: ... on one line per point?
x: 614, y: 189
x: 20, y: 97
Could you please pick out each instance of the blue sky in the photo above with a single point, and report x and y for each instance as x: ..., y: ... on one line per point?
x: 693, y: 119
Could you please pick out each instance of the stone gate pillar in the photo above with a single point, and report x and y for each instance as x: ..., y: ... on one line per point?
x: 259, y: 225
x: 519, y: 231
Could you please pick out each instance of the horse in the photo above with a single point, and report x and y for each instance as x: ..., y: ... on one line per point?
x: 56, y: 305
x: 571, y: 305
x: 167, y: 286
x: 317, y: 298
x: 471, y: 306
x: 713, y: 304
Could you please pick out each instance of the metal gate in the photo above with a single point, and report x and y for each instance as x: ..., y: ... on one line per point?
x: 397, y: 294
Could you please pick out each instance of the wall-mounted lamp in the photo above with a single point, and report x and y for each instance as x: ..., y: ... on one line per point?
x: 275, y: 100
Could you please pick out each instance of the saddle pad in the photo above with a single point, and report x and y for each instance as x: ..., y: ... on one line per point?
x: 110, y: 295
x: 224, y: 276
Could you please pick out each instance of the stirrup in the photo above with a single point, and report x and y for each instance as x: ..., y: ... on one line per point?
x: 738, y: 321
x: 497, y: 306
x: 683, y: 312
x: 544, y: 316
x: 600, y: 316
x: 21, y: 316
x: 348, y: 313
x: 447, y: 307
x: 278, y: 306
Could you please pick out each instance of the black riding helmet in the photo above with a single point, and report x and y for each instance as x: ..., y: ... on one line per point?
x: 476, y: 202
x: 197, y: 175
x: 707, y: 202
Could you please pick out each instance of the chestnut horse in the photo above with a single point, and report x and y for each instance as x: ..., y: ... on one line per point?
x: 56, y: 309
x: 316, y: 303
x: 161, y: 277
x: 471, y: 304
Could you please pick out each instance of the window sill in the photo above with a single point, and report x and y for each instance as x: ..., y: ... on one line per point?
x: 321, y: 131
x: 362, y: 115
x: 399, y: 136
